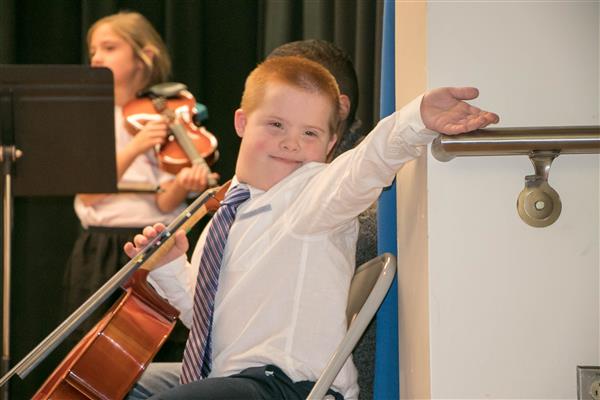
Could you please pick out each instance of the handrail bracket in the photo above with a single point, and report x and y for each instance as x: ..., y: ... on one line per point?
x: 538, y: 203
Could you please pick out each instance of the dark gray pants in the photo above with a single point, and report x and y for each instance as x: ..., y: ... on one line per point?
x: 268, y: 382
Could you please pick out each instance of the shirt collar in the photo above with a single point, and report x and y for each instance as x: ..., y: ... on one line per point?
x: 253, y: 191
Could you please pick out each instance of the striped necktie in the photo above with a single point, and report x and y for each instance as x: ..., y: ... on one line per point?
x: 197, y: 355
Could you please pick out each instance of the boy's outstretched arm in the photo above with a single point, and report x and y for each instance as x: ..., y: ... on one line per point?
x: 444, y: 110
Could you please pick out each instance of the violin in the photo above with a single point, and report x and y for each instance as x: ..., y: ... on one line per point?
x: 187, y: 143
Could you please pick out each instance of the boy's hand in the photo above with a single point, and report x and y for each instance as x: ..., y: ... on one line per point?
x: 179, y: 248
x: 444, y: 110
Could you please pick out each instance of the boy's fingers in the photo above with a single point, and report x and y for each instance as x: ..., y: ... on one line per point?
x: 491, y: 117
x: 149, y: 231
x: 181, y: 241
x: 129, y: 249
x: 464, y: 93
x: 482, y: 120
x: 140, y: 240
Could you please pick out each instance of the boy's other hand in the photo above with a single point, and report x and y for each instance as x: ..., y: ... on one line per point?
x: 444, y: 110
x: 140, y: 241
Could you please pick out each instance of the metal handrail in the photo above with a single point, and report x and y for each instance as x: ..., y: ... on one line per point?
x: 516, y: 141
x: 538, y: 203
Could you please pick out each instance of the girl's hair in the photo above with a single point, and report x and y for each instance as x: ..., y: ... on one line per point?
x: 136, y: 30
x: 295, y: 71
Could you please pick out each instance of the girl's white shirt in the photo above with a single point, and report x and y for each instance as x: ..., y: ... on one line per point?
x: 129, y: 209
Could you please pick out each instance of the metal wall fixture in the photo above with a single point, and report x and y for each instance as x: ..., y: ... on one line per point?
x: 538, y: 203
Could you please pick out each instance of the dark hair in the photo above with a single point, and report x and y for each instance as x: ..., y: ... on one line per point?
x: 331, y: 57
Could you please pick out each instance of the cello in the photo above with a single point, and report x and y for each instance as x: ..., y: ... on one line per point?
x: 110, y: 358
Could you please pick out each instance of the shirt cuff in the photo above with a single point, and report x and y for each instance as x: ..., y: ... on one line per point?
x: 169, y: 277
x: 175, y: 282
x: 410, y: 116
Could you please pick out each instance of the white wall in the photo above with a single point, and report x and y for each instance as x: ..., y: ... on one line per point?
x: 514, y: 309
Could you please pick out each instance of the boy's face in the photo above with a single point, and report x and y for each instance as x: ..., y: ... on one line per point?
x: 290, y: 127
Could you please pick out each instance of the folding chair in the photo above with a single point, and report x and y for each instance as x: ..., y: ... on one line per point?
x: 369, y: 286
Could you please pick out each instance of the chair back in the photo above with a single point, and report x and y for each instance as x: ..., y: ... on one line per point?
x: 364, y: 281
x: 368, y: 288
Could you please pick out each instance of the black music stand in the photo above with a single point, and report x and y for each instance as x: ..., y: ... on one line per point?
x: 56, y: 133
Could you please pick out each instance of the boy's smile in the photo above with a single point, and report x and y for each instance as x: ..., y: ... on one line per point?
x: 290, y: 127
x: 286, y: 160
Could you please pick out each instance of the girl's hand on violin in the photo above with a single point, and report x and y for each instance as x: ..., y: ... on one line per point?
x: 194, y: 178
x: 140, y: 241
x: 154, y: 133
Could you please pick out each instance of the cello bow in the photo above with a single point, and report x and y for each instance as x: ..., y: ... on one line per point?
x: 148, y: 257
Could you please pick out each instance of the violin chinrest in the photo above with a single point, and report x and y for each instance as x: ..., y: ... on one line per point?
x: 166, y: 89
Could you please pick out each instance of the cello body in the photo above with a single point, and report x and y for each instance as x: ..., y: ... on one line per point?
x: 107, y: 362
x: 112, y: 356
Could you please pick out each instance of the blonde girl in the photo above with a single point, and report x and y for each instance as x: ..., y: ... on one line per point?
x: 128, y: 45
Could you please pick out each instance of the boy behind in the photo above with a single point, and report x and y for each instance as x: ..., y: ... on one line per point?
x: 279, y: 310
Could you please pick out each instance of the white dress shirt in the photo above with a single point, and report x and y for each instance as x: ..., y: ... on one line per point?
x: 289, y: 259
x: 129, y: 209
